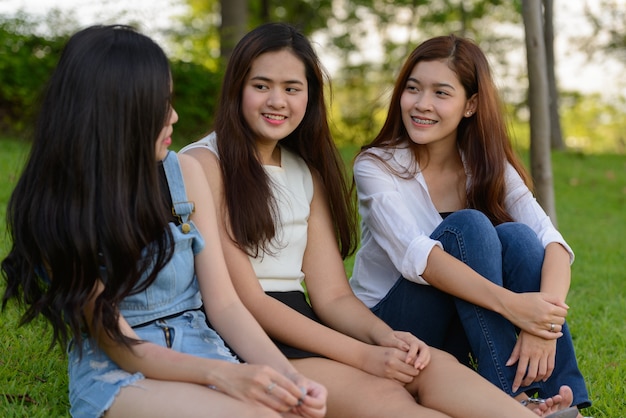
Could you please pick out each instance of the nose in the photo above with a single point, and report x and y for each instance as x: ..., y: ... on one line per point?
x: 423, y: 102
x: 276, y: 99
x: 173, y: 116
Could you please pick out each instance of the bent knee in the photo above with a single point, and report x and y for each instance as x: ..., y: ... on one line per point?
x: 437, y: 355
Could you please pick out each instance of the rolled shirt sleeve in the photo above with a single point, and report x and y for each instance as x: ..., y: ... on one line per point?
x: 397, y: 217
x: 524, y: 208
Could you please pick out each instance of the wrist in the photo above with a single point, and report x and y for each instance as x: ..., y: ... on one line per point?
x: 503, y: 300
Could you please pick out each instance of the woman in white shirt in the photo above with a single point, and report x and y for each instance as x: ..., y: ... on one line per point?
x: 454, y: 244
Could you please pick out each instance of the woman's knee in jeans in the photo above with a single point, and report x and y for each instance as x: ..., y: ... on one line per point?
x: 472, y: 225
x: 472, y: 217
x: 519, y: 238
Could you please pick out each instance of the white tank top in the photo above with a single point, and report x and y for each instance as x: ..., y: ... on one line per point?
x: 292, y: 186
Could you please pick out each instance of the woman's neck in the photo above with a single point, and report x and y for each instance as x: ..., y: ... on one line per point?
x: 269, y: 153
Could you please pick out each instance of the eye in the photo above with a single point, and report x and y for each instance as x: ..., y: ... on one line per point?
x: 260, y: 86
x: 292, y: 89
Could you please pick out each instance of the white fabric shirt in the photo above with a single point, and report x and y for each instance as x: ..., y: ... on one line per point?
x: 292, y: 185
x: 398, y: 217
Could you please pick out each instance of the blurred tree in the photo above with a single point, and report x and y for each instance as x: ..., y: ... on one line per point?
x: 538, y: 101
x: 233, y: 25
x: 212, y: 28
x: 556, y: 136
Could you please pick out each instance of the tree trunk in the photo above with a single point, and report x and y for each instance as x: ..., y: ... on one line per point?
x: 538, y: 101
x: 234, y: 25
x: 556, y: 135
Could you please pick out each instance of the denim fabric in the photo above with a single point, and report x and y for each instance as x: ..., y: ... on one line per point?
x: 509, y: 255
x: 168, y: 313
x: 95, y: 380
x: 176, y: 288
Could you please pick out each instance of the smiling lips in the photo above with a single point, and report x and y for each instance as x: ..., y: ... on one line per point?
x: 274, y: 118
x: 423, y: 121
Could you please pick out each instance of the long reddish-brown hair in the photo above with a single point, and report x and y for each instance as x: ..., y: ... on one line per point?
x: 251, y: 207
x: 482, y: 138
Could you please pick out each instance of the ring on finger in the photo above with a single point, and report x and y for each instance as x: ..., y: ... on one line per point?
x: 552, y: 328
x: 270, y: 387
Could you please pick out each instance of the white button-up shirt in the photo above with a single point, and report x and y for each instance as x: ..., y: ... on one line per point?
x: 398, y: 217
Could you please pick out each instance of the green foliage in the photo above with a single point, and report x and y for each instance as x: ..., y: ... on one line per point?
x: 608, y: 19
x: 307, y: 15
x: 592, y: 125
x: 195, y: 37
x: 196, y: 90
x: 26, y: 61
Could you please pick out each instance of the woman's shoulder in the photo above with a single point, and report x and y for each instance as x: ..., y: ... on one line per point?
x: 209, y: 142
x: 290, y: 158
x: 395, y: 157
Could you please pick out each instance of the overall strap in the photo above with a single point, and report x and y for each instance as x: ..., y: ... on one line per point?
x: 181, y: 207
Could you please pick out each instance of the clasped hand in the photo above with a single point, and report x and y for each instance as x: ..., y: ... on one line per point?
x: 399, y: 356
x: 263, y: 385
x: 537, y: 313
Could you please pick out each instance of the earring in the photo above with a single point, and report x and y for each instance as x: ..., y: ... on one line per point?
x: 468, y: 113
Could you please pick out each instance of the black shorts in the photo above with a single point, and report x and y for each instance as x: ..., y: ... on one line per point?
x: 297, y: 301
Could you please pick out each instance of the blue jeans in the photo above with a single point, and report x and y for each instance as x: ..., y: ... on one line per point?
x: 509, y: 255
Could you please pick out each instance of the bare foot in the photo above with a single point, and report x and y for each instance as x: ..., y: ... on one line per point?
x: 556, y: 403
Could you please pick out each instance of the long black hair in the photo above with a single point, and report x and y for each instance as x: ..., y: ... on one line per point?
x: 88, y: 205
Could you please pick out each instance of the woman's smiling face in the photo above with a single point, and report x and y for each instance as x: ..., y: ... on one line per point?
x: 275, y: 95
x: 433, y: 103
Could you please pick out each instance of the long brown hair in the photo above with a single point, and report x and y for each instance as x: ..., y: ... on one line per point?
x: 482, y: 138
x: 251, y: 207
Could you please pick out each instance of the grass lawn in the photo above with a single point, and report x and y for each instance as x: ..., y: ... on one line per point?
x: 591, y: 206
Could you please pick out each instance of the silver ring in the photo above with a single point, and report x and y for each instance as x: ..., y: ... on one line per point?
x: 552, y: 328
x: 270, y: 387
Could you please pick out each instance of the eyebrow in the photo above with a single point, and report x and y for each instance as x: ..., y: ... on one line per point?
x: 266, y: 79
x: 450, y: 86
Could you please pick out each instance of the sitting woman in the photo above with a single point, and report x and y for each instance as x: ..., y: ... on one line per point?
x: 452, y: 233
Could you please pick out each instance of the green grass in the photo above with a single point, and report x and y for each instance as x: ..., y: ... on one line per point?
x: 591, y: 206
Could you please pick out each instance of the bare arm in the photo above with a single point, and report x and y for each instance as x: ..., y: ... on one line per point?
x: 223, y: 306
x: 330, y: 293
x: 556, y: 272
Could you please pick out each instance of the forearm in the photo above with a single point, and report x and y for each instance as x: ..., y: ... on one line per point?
x: 162, y: 363
x: 556, y: 272
x: 292, y: 328
x: 454, y: 277
x: 350, y: 316
x: 244, y: 334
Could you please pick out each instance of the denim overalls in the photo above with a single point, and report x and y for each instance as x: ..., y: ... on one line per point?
x: 168, y: 313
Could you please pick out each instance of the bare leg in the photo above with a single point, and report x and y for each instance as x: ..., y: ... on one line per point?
x: 155, y: 399
x: 355, y: 393
x: 448, y: 386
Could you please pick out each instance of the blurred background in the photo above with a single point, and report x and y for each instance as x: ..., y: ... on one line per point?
x: 362, y: 43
